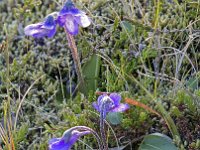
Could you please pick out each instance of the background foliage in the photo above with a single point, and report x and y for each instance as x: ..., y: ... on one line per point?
x: 156, y: 42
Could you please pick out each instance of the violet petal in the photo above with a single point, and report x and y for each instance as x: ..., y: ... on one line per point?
x: 52, y: 32
x: 38, y: 30
x: 54, y: 140
x: 61, y: 20
x: 116, y: 98
x: 38, y: 33
x: 49, y: 23
x: 71, y: 25
x: 70, y: 11
x: 83, y: 20
x: 96, y: 106
x: 100, y: 98
x: 67, y: 141
x: 120, y: 108
x: 32, y: 28
x: 69, y: 8
x: 58, y: 144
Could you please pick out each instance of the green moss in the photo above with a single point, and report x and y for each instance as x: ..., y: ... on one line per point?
x: 123, y: 35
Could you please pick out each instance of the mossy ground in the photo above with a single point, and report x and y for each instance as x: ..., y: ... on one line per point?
x: 154, y: 42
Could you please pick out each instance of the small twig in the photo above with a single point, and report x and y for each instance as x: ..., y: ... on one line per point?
x: 20, y: 104
x: 179, y: 63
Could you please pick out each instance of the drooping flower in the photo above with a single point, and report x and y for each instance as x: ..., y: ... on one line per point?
x: 110, y: 103
x: 69, y: 137
x: 70, y: 17
x: 42, y: 29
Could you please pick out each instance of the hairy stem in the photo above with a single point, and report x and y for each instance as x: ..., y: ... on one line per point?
x: 102, y: 127
x: 76, y: 59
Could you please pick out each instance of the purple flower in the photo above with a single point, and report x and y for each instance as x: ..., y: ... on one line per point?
x: 42, y: 29
x: 110, y: 103
x: 70, y: 17
x: 69, y: 137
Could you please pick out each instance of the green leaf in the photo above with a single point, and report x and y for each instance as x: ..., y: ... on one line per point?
x: 91, y: 72
x: 114, y: 118
x: 128, y: 26
x: 157, y: 141
x: 192, y: 83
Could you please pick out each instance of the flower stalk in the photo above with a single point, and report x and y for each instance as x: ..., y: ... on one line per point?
x: 70, y: 18
x: 75, y: 57
x: 102, y: 128
x: 105, y: 104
